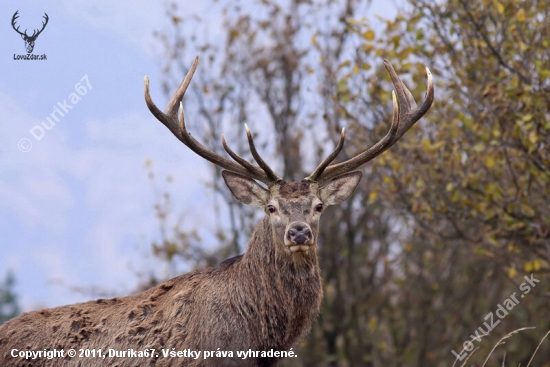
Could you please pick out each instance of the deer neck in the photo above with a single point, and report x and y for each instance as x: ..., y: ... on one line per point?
x: 266, y: 253
x: 287, y: 287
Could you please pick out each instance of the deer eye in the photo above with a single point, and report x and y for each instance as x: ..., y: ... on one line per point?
x: 271, y: 209
x: 319, y: 207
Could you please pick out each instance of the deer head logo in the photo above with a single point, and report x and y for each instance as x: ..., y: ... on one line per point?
x: 29, y: 40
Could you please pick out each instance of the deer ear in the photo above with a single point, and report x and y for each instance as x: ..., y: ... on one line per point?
x: 340, y: 188
x: 246, y: 190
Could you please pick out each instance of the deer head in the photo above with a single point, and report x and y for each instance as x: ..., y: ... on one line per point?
x: 294, y: 208
x: 29, y: 40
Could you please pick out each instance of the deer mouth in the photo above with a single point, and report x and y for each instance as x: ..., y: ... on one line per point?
x: 299, y: 248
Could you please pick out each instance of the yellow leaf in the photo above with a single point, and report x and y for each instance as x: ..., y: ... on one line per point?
x: 492, y: 240
x: 479, y: 147
x: 368, y: 47
x: 499, y: 7
x: 426, y: 144
x: 528, y: 267
x: 521, y: 15
x: 490, y: 162
x: 366, y: 66
x: 369, y: 35
x: 373, y: 195
x: 395, y: 164
x: 527, y: 117
x: 533, y: 137
x: 438, y: 145
x: 512, y: 272
x: 522, y: 46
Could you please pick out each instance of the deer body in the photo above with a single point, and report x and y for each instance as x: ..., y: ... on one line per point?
x: 204, y: 310
x: 265, y: 299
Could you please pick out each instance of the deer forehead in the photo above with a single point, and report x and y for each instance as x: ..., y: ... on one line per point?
x: 292, y: 190
x: 294, y: 196
x: 302, y: 191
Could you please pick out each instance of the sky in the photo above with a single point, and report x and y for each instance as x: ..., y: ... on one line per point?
x: 76, y: 205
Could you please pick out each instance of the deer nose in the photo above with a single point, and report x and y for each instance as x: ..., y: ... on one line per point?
x: 299, y: 233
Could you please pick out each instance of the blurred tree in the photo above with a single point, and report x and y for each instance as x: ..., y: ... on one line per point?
x: 475, y: 184
x: 9, y: 305
x: 446, y: 224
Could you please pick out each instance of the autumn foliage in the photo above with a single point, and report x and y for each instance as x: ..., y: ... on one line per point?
x: 446, y: 224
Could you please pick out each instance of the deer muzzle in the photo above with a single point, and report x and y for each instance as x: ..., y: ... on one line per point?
x: 299, y: 237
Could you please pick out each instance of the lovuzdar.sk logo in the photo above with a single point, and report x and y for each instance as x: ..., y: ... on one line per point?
x: 29, y: 40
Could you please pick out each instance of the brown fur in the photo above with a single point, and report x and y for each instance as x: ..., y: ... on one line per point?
x: 265, y: 299
x: 293, y: 190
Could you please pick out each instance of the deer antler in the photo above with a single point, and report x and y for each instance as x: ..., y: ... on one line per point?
x: 35, y: 34
x: 405, y: 114
x: 13, y: 19
x: 170, y: 119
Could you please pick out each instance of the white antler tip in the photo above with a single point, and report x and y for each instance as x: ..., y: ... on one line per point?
x: 182, y: 117
x: 394, y: 100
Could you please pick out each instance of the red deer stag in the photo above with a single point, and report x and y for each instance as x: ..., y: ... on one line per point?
x: 262, y: 301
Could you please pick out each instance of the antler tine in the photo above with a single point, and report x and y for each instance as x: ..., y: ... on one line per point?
x: 243, y: 162
x: 44, y: 23
x: 409, y: 116
x: 177, y: 126
x: 405, y: 114
x: 319, y: 170
x: 13, y: 20
x: 36, y: 32
x: 268, y: 171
